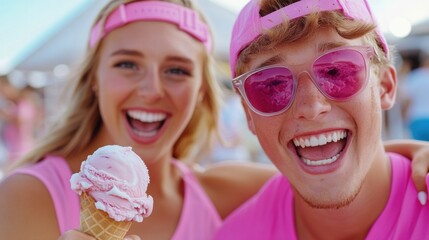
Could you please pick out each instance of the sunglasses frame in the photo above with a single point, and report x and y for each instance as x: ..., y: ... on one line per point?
x: 367, y: 53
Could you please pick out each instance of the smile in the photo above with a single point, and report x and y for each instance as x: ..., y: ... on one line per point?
x: 145, y: 124
x: 321, y: 149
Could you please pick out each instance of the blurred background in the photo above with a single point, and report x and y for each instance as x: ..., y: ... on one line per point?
x: 42, y: 41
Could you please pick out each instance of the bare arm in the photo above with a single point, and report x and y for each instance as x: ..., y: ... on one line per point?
x: 416, y: 150
x: 26, y: 209
x: 230, y: 184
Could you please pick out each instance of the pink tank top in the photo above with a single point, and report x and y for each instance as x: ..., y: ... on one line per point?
x: 269, y: 214
x: 54, y: 173
x: 199, y: 219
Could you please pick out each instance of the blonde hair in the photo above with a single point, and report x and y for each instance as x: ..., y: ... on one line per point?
x: 81, y: 121
x: 304, y: 27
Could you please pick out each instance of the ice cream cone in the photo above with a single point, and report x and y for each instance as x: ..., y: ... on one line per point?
x: 97, y: 223
x: 112, y: 185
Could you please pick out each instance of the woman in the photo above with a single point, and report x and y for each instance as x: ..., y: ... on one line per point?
x: 148, y: 85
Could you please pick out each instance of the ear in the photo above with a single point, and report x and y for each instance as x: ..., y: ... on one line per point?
x: 388, y: 85
x: 249, y: 118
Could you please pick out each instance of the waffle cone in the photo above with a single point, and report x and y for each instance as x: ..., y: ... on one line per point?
x: 98, y: 224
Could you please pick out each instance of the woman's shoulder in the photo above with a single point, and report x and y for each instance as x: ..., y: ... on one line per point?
x: 21, y: 185
x: 26, y: 207
x: 237, y: 171
x: 230, y: 184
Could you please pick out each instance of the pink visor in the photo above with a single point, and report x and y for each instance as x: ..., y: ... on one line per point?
x: 186, y: 19
x: 249, y: 25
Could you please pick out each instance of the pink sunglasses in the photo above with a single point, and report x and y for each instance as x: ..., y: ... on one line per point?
x: 339, y: 74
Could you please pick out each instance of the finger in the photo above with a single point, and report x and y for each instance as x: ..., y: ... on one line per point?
x: 419, y: 172
x: 132, y: 237
x: 421, y: 180
x: 423, y: 196
x: 427, y: 182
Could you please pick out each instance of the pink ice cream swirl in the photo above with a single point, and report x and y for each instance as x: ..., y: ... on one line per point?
x: 117, y: 179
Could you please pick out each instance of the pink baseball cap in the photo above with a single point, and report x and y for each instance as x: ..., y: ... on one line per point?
x: 185, y: 18
x: 250, y: 25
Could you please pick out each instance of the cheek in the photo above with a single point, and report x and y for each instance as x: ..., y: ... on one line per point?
x: 111, y: 92
x: 186, y: 97
x: 273, y: 138
x: 367, y: 113
x: 373, y: 104
x: 375, y: 110
x: 269, y: 135
x: 111, y: 85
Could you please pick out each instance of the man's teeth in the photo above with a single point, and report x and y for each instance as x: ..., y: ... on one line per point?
x: 146, y: 116
x: 321, y: 162
x: 319, y: 140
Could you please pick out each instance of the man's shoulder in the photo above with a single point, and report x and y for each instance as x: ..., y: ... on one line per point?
x: 404, y: 215
x: 257, y: 218
x: 276, y: 188
x: 273, y: 192
x: 401, y: 176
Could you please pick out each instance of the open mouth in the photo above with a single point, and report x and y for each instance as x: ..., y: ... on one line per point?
x: 321, y: 149
x: 145, y: 124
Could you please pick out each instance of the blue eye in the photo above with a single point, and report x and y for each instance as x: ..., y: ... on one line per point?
x: 178, y: 71
x: 126, y: 65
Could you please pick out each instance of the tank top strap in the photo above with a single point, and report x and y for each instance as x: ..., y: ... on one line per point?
x: 199, y: 218
x: 182, y: 167
x: 54, y: 173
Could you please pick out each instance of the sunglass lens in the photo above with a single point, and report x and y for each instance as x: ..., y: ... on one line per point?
x: 270, y: 90
x: 340, y: 74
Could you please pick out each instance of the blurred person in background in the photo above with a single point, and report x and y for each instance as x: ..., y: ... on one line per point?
x: 21, y: 115
x: 393, y: 119
x: 4, y: 106
x: 415, y: 97
x: 232, y: 144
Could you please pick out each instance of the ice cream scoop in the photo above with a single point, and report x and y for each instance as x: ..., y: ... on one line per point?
x: 117, y: 179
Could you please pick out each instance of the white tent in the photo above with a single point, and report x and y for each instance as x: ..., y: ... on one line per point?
x: 67, y: 44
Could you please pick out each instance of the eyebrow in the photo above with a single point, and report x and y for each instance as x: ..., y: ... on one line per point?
x: 321, y: 48
x: 329, y: 45
x: 139, y: 54
x: 180, y: 59
x: 271, y: 61
x: 127, y: 52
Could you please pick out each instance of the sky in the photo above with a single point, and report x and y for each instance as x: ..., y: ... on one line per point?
x: 386, y: 11
x: 27, y: 23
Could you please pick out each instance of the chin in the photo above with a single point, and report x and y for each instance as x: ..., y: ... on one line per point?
x: 329, y: 199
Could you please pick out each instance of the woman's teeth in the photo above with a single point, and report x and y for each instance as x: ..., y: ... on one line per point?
x: 146, y: 116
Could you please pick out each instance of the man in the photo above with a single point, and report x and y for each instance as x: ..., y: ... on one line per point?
x: 314, y: 77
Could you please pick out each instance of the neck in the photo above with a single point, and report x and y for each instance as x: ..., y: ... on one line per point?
x: 165, y: 178
x: 353, y: 221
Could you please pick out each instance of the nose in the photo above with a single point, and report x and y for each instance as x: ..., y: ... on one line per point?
x: 150, y: 85
x: 309, y: 102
